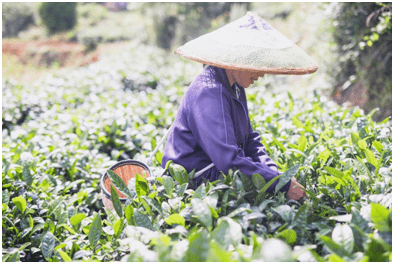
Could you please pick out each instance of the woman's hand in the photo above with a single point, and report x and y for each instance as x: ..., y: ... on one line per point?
x: 296, y: 190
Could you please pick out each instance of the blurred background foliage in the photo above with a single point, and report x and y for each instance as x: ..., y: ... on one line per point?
x: 352, y: 41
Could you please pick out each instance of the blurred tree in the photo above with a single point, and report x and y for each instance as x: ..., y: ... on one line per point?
x: 177, y: 23
x: 362, y: 32
x: 16, y: 17
x: 58, y: 16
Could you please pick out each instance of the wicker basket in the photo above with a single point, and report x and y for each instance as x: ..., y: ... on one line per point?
x: 126, y: 169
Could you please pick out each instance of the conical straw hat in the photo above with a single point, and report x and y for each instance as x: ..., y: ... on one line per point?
x: 249, y: 43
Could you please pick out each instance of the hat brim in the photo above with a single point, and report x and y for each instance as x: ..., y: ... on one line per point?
x: 251, y: 44
x: 233, y: 66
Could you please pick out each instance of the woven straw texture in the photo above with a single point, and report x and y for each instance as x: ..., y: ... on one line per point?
x: 249, y: 43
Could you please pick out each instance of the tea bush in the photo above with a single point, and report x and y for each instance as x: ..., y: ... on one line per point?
x: 60, y: 136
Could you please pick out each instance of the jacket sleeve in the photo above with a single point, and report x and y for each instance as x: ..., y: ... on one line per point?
x: 210, y: 122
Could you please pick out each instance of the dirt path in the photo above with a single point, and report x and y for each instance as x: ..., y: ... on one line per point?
x: 28, y: 61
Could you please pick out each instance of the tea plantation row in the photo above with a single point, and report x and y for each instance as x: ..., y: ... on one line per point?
x: 61, y: 135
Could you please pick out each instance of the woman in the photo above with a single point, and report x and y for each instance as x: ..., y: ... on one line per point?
x: 212, y: 124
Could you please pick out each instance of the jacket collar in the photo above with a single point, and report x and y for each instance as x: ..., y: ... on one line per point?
x: 221, y: 76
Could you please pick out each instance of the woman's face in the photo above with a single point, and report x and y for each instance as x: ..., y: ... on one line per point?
x: 243, y: 78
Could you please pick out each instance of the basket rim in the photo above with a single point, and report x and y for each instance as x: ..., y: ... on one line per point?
x: 115, y: 166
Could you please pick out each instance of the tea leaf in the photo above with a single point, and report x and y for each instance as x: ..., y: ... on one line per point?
x: 48, y: 245
x: 302, y: 142
x: 371, y: 157
x: 64, y: 255
x: 286, y: 177
x: 258, y: 181
x: 119, y: 184
x: 95, y: 231
x: 76, y: 219
x: 333, y: 246
x: 141, y: 186
x: 275, y: 250
x: 168, y: 184
x: 175, y: 219
x: 217, y: 253
x: 221, y: 234
x: 179, y: 173
x: 27, y: 175
x: 343, y: 236
x: 142, y: 220
x: 247, y: 182
x: 334, y: 172
x: 300, y: 219
x: 378, y: 146
x: 380, y: 217
x: 198, y: 247
x: 129, y: 213
x: 288, y: 235
x: 116, y: 201
x: 202, y: 211
x: 118, y: 227
x: 20, y: 202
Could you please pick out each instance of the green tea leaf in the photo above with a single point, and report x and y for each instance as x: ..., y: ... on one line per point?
x: 335, y: 258
x: 288, y: 235
x: 119, y: 184
x: 141, y: 186
x: 48, y: 245
x: 116, y: 201
x: 118, y: 227
x: 27, y: 175
x: 20, y: 202
x: 284, y: 211
x: 202, y: 211
x: 286, y: 176
x: 5, y: 197
x: 129, y: 213
x: 182, y: 189
x: 168, y: 184
x: 55, y: 206
x: 200, y: 192
x: 212, y: 200
x: 371, y: 157
x: 362, y: 144
x: 264, y: 189
x: 14, y: 257
x: 300, y: 219
x: 343, y: 236
x: 64, y: 255
x: 217, y: 253
x: 76, y: 219
x: 246, y: 182
x: 323, y: 156
x: 179, y: 173
x: 153, y: 203
x: 378, y: 146
x: 175, y: 219
x: 198, y: 247
x: 258, y: 181
x: 332, y: 246
x: 280, y: 145
x: 95, y: 231
x: 221, y: 234
x: 380, y: 217
x: 275, y: 250
x: 302, y: 142
x: 142, y: 220
x: 334, y: 172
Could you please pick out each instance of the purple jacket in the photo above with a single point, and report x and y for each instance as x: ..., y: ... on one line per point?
x: 213, y: 125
